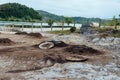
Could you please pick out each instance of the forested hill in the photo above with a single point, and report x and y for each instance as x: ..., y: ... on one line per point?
x: 17, y: 11
x: 47, y: 15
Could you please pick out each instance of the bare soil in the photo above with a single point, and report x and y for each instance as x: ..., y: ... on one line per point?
x: 26, y: 55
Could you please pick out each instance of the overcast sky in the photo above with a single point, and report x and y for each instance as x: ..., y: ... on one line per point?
x: 84, y: 8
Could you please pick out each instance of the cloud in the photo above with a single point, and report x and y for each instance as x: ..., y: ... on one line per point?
x: 86, y: 8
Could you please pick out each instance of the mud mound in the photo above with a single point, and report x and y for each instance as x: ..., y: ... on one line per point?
x: 36, y: 35
x: 21, y: 33
x: 6, y: 41
x: 59, y: 43
x: 82, y: 50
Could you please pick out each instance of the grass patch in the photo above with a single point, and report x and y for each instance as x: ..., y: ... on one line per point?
x: 104, y: 30
x: 117, y: 34
x: 60, y: 32
x: 63, y: 32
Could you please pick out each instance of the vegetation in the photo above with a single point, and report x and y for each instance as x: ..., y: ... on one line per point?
x: 47, y: 16
x: 113, y: 22
x: 56, y: 18
x: 17, y: 12
x: 60, y: 32
x: 68, y: 20
x: 72, y: 29
x: 112, y: 32
x: 63, y: 31
x: 50, y: 23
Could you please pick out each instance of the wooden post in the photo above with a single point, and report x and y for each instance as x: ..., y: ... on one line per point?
x: 41, y: 25
x: 22, y: 27
x: 115, y: 24
x: 100, y: 23
x: 51, y: 27
x: 13, y: 27
x: 32, y: 27
x: 62, y: 25
x: 74, y: 24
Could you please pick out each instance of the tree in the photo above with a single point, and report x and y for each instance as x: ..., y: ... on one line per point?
x: 12, y: 18
x: 18, y: 11
x: 115, y: 23
x: 68, y: 20
x: 28, y: 18
x: 50, y: 23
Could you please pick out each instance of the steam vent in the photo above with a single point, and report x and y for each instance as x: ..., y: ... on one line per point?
x: 86, y: 29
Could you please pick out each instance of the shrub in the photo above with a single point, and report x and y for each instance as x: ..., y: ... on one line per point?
x: 72, y: 29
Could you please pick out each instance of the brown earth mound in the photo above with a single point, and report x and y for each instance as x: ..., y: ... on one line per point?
x: 36, y: 35
x: 6, y: 41
x: 21, y: 33
x: 82, y: 50
x: 59, y: 43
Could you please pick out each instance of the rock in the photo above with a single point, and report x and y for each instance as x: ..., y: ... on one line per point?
x: 96, y: 39
x: 108, y: 41
x: 117, y: 41
x: 46, y: 45
x: 111, y: 31
x: 75, y: 59
x: 51, y: 44
x: 86, y: 29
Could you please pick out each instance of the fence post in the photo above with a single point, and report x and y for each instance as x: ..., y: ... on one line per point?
x: 41, y: 25
x: 32, y: 27
x: 13, y: 27
x: 100, y: 23
x: 115, y: 24
x: 22, y: 27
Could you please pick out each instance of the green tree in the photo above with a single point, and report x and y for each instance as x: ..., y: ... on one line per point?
x: 12, y: 18
x: 50, y: 23
x: 68, y: 20
x: 18, y: 11
x: 28, y: 18
x: 114, y: 22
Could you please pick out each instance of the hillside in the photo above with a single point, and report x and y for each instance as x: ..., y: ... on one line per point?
x: 18, y: 12
x: 47, y: 15
x: 11, y: 11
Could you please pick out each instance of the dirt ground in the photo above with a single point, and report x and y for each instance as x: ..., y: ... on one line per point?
x: 23, y: 55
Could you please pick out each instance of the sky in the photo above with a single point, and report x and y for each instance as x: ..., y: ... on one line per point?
x: 84, y: 8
